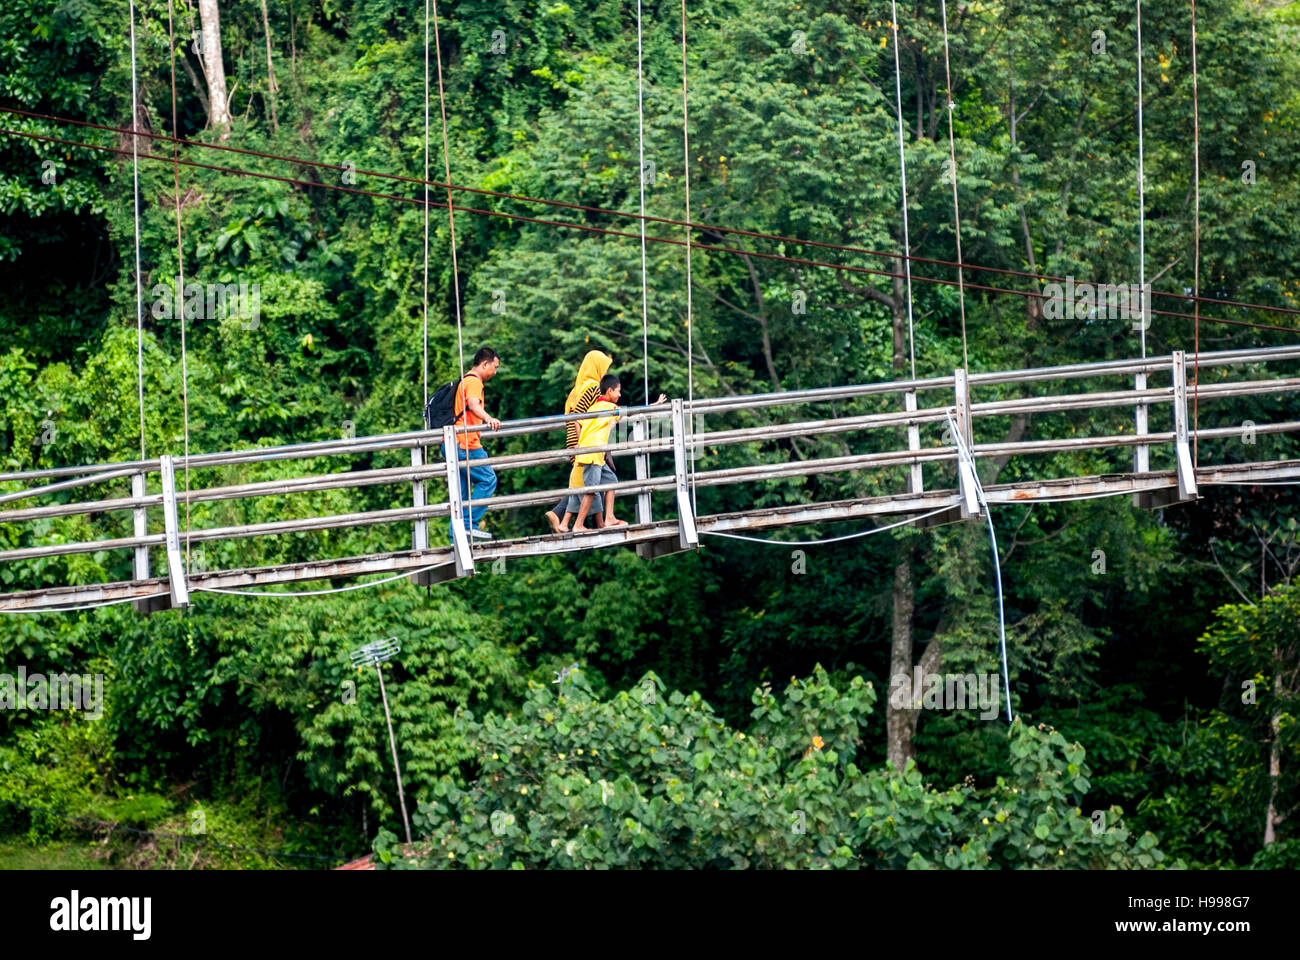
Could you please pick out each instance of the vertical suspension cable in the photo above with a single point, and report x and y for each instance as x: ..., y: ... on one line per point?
x: 139, y: 287
x: 426, y: 204
x: 180, y: 272
x: 1142, y: 206
x: 455, y: 268
x: 956, y: 210
x: 690, y: 322
x: 1196, y: 282
x: 451, y: 210
x: 902, y: 172
x: 640, y: 114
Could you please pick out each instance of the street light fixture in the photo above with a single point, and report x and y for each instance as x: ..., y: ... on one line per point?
x: 372, y: 655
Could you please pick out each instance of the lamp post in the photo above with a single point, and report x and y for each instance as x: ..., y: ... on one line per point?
x: 373, y: 654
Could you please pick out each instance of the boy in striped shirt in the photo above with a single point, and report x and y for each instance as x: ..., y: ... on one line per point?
x: 595, y: 433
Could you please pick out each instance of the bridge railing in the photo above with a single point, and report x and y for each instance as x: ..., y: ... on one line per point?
x: 684, y: 438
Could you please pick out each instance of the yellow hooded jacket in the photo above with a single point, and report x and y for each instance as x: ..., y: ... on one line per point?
x: 586, y: 389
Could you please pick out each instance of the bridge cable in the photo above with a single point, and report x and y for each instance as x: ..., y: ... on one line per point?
x: 455, y: 268
x: 964, y: 453
x: 139, y: 289
x: 902, y: 172
x: 1196, y: 282
x: 640, y: 112
x: 602, y: 230
x: 778, y: 238
x: 426, y: 204
x: 956, y: 210
x: 180, y: 277
x: 1142, y: 211
x: 690, y: 321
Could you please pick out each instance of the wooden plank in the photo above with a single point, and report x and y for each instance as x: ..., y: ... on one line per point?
x: 1066, y: 488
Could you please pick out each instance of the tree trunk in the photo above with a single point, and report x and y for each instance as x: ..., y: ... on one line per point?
x: 1271, y: 817
x: 270, y: 69
x: 900, y: 722
x: 213, y: 67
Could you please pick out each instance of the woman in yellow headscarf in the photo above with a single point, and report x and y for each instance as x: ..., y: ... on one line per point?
x: 586, y: 388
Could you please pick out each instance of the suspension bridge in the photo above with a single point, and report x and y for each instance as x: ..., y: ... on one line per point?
x: 671, y: 445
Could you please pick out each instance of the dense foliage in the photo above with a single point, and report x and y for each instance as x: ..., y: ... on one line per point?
x: 248, y: 712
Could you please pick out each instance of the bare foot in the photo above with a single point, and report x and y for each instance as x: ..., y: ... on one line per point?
x: 615, y: 522
x: 561, y: 529
x: 554, y: 521
x: 582, y: 528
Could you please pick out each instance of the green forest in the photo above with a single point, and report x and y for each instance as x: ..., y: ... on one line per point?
x: 721, y: 708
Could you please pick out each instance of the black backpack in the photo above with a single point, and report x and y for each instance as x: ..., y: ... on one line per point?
x: 440, y: 411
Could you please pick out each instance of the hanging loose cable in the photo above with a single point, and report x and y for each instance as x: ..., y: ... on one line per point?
x: 902, y: 172
x: 964, y: 453
x: 640, y: 114
x: 1196, y: 282
x: 690, y: 320
x: 180, y: 273
x: 956, y: 210
x: 139, y: 283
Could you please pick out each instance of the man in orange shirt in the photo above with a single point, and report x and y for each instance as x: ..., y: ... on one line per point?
x: 469, y: 396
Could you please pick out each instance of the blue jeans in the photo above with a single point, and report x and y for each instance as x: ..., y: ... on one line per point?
x: 484, y: 480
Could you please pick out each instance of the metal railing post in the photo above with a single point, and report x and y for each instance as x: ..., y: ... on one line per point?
x: 965, y: 471
x: 180, y: 592
x: 140, y: 564
x: 915, y: 479
x: 642, y: 460
x: 420, y: 529
x: 1182, y: 454
x: 1141, y: 454
x: 141, y: 516
x: 460, y: 547
x: 686, y: 532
